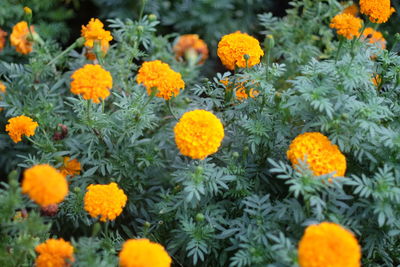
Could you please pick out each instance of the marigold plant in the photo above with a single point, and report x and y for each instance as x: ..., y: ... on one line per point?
x: 234, y: 47
x: 70, y: 167
x: 92, y: 82
x: 346, y: 25
x: 378, y: 11
x: 189, y: 44
x: 54, y: 253
x: 19, y: 126
x: 106, y: 201
x: 143, y: 253
x: 19, y: 37
x: 240, y: 92
x: 3, y: 35
x: 198, y: 134
x: 44, y: 184
x: 320, y: 154
x: 374, y: 37
x: 157, y: 75
x: 329, y: 244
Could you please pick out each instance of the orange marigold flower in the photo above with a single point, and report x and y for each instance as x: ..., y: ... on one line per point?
x: 70, y: 167
x: 190, y: 44
x: 54, y: 253
x: 233, y: 47
x: 92, y: 82
x: 319, y: 153
x: 240, y: 90
x: 378, y: 11
x: 143, y: 253
x: 329, y: 244
x: 374, y: 37
x: 19, y: 37
x: 376, y: 80
x: 19, y: 126
x: 3, y: 35
x: 44, y: 184
x: 352, y: 10
x: 346, y: 25
x: 2, y: 87
x: 105, y: 201
x: 93, y: 32
x: 198, y: 133
x: 158, y: 75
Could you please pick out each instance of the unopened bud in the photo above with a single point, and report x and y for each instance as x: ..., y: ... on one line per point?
x: 152, y: 17
x: 140, y: 29
x: 77, y: 189
x: 27, y: 11
x: 147, y: 224
x: 246, y: 57
x: 200, y: 217
x: 80, y: 41
x: 235, y: 155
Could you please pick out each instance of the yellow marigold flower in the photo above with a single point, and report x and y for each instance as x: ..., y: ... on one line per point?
x: 3, y: 35
x: 70, y: 167
x: 54, y: 253
x: 329, y: 244
x: 93, y: 32
x: 92, y: 82
x: 351, y: 10
x: 143, y: 253
x: 19, y: 126
x: 198, y: 133
x: 19, y: 37
x: 346, y: 25
x: 44, y: 184
x: 189, y: 44
x: 106, y: 201
x: 320, y: 154
x: 374, y: 37
x: 240, y: 90
x: 233, y: 47
x: 158, y: 75
x: 378, y: 11
x: 2, y: 87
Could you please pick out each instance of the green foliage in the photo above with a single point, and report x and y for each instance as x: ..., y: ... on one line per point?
x: 242, y: 206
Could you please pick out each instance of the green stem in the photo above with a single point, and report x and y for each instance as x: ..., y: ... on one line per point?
x: 67, y: 50
x: 339, y: 48
x: 143, y: 4
x: 171, y: 111
x: 88, y: 110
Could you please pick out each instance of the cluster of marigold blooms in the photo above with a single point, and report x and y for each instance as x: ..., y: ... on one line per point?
x: 198, y: 134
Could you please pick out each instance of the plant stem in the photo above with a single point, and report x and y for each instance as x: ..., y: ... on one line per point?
x: 171, y: 111
x: 67, y: 50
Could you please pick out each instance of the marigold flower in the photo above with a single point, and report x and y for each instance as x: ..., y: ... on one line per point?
x: 346, y: 25
x: 70, y: 167
x: 233, y: 47
x: 240, y: 90
x: 44, y: 184
x: 198, y: 133
x: 54, y: 253
x: 378, y: 11
x: 188, y: 44
x: 92, y: 82
x: 376, y: 80
x: 329, y: 244
x: 351, y: 10
x: 143, y: 253
x: 19, y: 37
x: 2, y: 87
x: 19, y: 126
x: 158, y: 75
x: 93, y: 32
x: 106, y: 201
x: 319, y: 153
x: 374, y: 37
x: 3, y: 35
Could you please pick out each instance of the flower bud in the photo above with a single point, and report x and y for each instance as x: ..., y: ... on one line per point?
x: 152, y: 17
x: 200, y: 217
